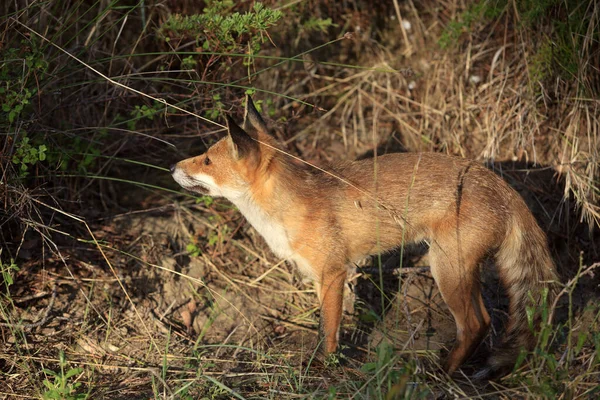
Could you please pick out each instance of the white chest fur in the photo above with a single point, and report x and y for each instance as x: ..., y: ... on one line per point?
x: 274, y: 233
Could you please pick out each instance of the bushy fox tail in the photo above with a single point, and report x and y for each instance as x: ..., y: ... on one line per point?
x: 526, y: 270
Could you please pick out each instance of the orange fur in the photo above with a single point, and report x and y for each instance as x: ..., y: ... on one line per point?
x: 322, y: 222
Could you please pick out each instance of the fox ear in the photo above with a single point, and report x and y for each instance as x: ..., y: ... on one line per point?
x: 242, y: 144
x: 252, y: 118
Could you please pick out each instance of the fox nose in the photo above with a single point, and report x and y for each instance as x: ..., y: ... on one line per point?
x: 172, y: 167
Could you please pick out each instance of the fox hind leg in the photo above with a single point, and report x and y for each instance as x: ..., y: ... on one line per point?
x: 458, y: 281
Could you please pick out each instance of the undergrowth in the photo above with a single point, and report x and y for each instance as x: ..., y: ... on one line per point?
x: 114, y: 278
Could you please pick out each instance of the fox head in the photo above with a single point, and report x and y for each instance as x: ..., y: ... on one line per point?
x: 234, y: 163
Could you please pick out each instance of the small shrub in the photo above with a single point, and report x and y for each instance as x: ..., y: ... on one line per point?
x: 27, y: 154
x: 62, y: 387
x: 143, y: 112
x: 21, y: 72
x: 218, y: 30
x: 8, y: 270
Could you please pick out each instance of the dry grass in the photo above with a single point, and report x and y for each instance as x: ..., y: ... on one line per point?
x: 152, y: 293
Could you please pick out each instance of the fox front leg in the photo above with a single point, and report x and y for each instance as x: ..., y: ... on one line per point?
x: 330, y: 289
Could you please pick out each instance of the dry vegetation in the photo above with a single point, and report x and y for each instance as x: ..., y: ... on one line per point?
x: 115, y: 284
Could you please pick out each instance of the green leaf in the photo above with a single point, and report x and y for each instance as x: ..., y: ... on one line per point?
x: 47, y: 383
x: 369, y: 367
x: 581, y: 338
x: 73, y: 372
x: 530, y: 311
x: 520, y: 359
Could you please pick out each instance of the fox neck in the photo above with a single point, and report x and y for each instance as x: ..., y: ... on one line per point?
x: 261, y: 204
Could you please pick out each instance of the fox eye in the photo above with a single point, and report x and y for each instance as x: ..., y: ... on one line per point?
x: 207, y: 161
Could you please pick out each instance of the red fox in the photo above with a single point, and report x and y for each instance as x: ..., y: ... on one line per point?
x: 322, y: 220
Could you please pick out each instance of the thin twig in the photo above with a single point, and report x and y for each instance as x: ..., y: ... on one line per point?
x: 46, y: 314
